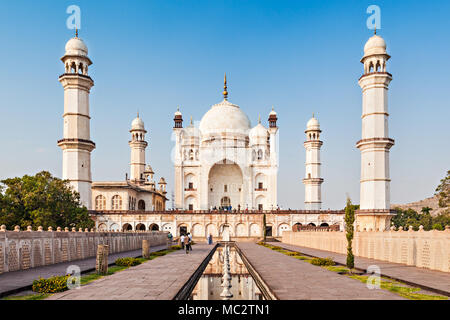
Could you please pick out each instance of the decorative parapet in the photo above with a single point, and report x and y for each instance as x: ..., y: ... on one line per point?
x: 425, y: 249
x: 20, y: 250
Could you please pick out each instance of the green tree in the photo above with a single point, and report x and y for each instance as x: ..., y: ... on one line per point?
x: 349, y: 232
x: 443, y: 191
x: 443, y: 219
x: 41, y: 200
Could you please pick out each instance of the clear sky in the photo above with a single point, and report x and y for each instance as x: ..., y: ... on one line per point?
x: 301, y: 56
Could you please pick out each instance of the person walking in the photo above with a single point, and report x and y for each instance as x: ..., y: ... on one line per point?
x: 210, y: 239
x: 182, y: 238
x: 190, y: 241
x: 170, y: 237
x: 187, y: 242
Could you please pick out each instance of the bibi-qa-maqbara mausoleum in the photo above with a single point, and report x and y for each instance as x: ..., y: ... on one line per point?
x: 225, y: 169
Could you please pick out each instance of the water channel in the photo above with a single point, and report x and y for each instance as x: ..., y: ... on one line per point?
x: 226, y: 278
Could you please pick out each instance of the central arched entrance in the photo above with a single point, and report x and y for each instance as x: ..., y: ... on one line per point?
x: 225, y: 185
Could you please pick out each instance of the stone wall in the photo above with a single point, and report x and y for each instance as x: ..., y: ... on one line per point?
x: 20, y: 250
x: 425, y: 249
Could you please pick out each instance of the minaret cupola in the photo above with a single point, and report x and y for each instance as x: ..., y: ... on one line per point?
x: 178, y: 119
x: 375, y: 55
x: 273, y: 118
x: 76, y: 58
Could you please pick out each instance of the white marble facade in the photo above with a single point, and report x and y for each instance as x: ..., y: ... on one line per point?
x: 225, y: 162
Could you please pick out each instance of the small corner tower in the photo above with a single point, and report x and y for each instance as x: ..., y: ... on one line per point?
x: 76, y: 143
x: 375, y: 143
x: 313, y: 181
x: 137, y: 145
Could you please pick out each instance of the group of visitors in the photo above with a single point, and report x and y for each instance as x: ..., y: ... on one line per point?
x: 186, y: 241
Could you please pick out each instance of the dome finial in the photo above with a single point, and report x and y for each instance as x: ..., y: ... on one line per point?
x: 192, y: 122
x: 259, y: 119
x: 375, y: 30
x: 313, y: 114
x: 225, y: 88
x: 76, y: 32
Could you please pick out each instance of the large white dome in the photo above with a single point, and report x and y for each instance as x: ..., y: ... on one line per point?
x: 225, y: 116
x: 76, y: 47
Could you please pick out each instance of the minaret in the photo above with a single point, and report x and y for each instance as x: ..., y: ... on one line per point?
x: 76, y: 143
x: 137, y: 145
x: 178, y: 159
x: 313, y: 181
x: 273, y: 134
x: 375, y: 142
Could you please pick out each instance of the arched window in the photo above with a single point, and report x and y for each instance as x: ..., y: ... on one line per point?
x: 80, y: 68
x: 191, y: 154
x: 116, y: 202
x: 141, y: 205
x: 260, y: 154
x: 100, y: 203
x: 73, y: 67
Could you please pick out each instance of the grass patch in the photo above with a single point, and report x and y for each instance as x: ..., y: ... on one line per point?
x: 303, y: 258
x: 400, y: 289
x: 339, y: 269
x: 35, y: 296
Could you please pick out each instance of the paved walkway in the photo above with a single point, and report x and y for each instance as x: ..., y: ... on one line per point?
x: 158, y: 279
x: 293, y: 279
x: 13, y: 282
x: 427, y: 279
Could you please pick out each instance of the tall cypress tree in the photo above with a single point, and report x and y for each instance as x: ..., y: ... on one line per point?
x: 349, y: 232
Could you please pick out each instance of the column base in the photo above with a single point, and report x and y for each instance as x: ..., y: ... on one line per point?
x: 373, y: 219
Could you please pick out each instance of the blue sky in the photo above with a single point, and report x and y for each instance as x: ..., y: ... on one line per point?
x: 301, y: 56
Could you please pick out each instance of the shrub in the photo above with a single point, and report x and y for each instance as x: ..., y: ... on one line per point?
x: 177, y: 247
x: 127, y: 262
x: 50, y: 285
x: 437, y: 226
x: 322, y: 262
x: 292, y: 254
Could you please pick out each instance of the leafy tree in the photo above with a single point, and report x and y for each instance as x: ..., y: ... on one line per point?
x: 349, y: 228
x: 426, y: 210
x: 443, y: 191
x: 443, y: 219
x: 409, y: 217
x: 41, y: 200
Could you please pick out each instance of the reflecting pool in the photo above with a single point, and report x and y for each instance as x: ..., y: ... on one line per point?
x: 226, y: 278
